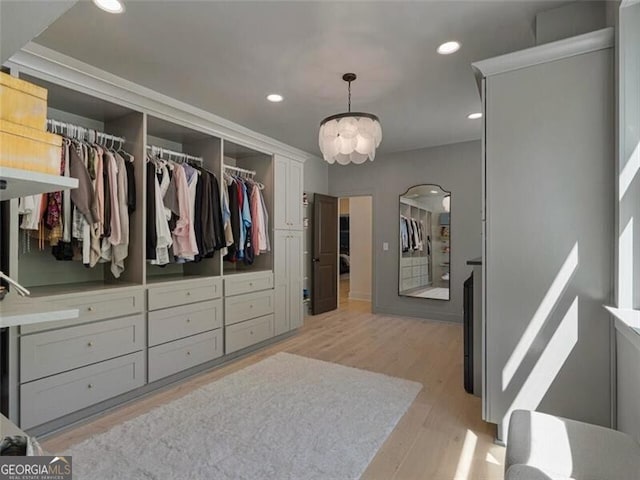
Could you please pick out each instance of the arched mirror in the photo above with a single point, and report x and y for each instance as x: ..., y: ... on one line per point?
x: 425, y: 242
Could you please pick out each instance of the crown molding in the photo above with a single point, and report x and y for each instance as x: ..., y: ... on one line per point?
x: 548, y: 52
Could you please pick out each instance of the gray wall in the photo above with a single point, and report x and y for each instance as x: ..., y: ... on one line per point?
x: 456, y: 168
x: 316, y: 180
x: 570, y: 20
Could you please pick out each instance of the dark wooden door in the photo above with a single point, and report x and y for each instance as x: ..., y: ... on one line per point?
x: 324, y: 297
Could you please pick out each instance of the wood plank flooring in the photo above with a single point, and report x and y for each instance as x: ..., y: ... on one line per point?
x: 441, y: 437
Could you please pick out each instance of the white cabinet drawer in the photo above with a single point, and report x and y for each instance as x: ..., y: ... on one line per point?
x: 173, y: 357
x: 406, y: 272
x: 92, y: 307
x: 48, y: 353
x: 183, y: 292
x: 53, y: 397
x: 244, y: 307
x: 248, y: 333
x: 179, y: 322
x: 253, y: 282
x: 406, y: 261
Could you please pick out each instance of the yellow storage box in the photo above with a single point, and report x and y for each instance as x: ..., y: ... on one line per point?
x: 22, y: 102
x: 29, y: 149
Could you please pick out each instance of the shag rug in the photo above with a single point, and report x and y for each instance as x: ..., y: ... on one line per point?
x: 286, y: 417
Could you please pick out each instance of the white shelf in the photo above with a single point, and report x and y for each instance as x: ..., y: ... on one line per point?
x: 22, y: 183
x: 38, y: 317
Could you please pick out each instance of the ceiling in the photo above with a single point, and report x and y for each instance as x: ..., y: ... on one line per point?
x: 225, y: 57
x: 21, y: 21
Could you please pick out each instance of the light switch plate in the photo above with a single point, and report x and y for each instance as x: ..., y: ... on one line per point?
x: 385, y: 246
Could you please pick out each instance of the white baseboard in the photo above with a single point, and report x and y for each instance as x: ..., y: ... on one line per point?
x: 360, y: 296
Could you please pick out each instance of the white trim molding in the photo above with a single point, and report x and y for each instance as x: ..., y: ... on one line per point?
x: 55, y: 67
x: 568, y: 47
x: 627, y: 322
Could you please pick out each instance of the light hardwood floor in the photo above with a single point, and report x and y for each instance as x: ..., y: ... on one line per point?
x: 441, y: 437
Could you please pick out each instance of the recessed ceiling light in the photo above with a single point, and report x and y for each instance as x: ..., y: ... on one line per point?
x: 474, y: 116
x: 448, y: 48
x: 275, y: 98
x: 111, y: 6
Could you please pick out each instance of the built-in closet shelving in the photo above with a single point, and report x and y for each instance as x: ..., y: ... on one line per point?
x: 416, y: 266
x: 177, y: 138
x: 259, y: 166
x: 37, y: 269
x: 154, y: 324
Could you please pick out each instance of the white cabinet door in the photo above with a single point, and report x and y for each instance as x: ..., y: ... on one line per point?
x: 281, y: 174
x: 294, y: 257
x: 289, y: 186
x: 288, y: 280
x: 295, y: 187
x: 280, y: 257
x: 282, y: 323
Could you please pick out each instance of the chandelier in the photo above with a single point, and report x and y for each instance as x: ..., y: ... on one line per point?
x: 350, y: 136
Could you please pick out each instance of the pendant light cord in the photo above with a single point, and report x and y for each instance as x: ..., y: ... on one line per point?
x: 349, y: 96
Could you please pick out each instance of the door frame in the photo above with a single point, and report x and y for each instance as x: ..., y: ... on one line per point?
x: 349, y: 195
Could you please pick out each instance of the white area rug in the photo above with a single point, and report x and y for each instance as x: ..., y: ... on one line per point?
x: 435, y: 293
x: 286, y: 417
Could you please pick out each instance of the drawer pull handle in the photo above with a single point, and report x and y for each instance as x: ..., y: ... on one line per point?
x: 188, y: 353
x: 90, y: 386
x: 251, y: 284
x: 251, y: 305
x: 90, y: 344
x: 188, y: 320
x: 89, y: 309
x: 188, y: 294
x: 250, y: 332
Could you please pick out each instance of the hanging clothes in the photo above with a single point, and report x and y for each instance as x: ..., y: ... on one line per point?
x: 226, y: 221
x: 162, y: 216
x: 245, y: 220
x: 121, y: 249
x: 234, y: 208
x: 188, y: 199
x: 152, y: 236
x: 88, y: 224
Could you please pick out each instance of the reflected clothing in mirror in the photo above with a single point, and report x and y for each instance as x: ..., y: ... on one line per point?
x: 411, y: 234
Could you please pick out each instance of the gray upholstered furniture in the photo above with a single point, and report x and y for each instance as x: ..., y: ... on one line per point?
x: 544, y: 447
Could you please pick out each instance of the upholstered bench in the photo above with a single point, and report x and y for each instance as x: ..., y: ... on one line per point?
x: 544, y: 447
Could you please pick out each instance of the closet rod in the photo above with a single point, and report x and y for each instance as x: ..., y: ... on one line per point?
x: 172, y: 153
x: 76, y: 131
x: 241, y: 170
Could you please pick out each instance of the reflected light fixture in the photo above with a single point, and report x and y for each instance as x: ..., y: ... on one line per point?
x: 111, y: 6
x: 350, y: 136
x: 474, y: 116
x: 446, y: 203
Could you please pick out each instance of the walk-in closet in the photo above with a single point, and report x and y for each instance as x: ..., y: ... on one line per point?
x: 191, y: 285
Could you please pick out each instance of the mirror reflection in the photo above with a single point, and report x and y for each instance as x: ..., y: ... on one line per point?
x: 425, y: 249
